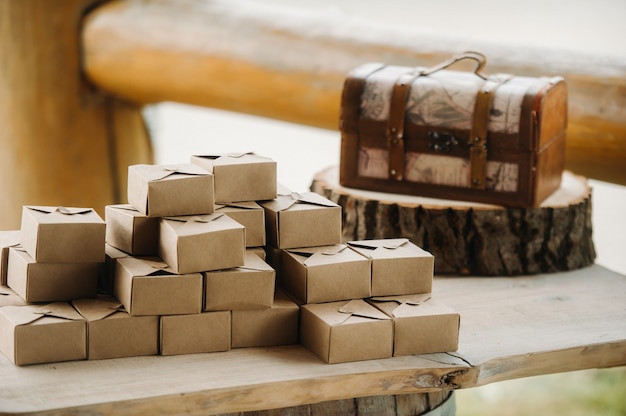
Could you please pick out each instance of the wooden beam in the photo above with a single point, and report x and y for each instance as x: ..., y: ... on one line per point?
x: 60, y: 140
x: 291, y: 65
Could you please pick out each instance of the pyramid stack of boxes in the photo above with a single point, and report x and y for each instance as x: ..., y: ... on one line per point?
x: 205, y: 257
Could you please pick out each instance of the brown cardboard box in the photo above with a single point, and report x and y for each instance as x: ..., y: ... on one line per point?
x: 62, y: 235
x: 131, y: 231
x: 106, y: 271
x: 192, y: 334
x: 113, y: 333
x: 399, y: 267
x: 8, y: 297
x: 250, y: 215
x: 36, y: 334
x: 150, y: 287
x: 340, y: 332
x: 259, y: 251
x: 50, y: 282
x: 267, y: 327
x: 302, y: 220
x: 7, y: 239
x: 325, y: 274
x: 250, y: 286
x: 193, y: 244
x: 421, y: 324
x: 170, y: 190
x: 240, y: 176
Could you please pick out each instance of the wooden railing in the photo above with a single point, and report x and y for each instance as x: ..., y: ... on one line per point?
x: 291, y: 65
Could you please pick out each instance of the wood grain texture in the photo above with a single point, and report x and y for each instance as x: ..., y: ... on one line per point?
x: 291, y: 65
x: 470, y: 238
x: 510, y: 328
x: 60, y: 141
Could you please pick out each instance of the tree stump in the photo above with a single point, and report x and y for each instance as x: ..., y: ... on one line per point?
x: 470, y: 238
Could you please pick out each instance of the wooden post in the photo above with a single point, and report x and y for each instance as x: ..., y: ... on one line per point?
x: 62, y: 143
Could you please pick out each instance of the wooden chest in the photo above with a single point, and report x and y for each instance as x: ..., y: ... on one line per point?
x: 450, y: 134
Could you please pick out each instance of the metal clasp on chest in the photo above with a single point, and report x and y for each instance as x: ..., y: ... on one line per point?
x: 441, y: 142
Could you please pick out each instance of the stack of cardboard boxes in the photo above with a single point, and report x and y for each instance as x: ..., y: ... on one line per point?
x: 181, y: 269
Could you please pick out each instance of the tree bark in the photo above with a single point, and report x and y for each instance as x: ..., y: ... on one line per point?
x: 475, y: 239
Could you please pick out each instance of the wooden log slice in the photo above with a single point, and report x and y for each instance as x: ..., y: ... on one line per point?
x: 470, y: 238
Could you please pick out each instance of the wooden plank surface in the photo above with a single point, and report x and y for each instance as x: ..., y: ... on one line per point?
x: 290, y: 65
x: 510, y: 328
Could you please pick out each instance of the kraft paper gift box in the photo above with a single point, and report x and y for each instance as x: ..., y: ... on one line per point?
x: 7, y: 239
x: 8, y: 297
x: 302, y: 220
x: 259, y: 251
x: 399, y: 267
x: 250, y: 215
x: 250, y: 286
x: 37, y: 334
x: 106, y: 271
x: 191, y: 244
x: 421, y: 325
x: 339, y: 332
x: 170, y: 190
x: 131, y: 231
x: 150, y: 287
x: 277, y: 325
x: 240, y: 176
x: 325, y: 274
x: 193, y: 334
x: 113, y: 333
x: 62, y: 235
x: 50, y: 282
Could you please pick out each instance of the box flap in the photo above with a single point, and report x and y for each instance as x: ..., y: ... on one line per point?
x: 126, y: 207
x: 255, y: 263
x: 145, y: 267
x: 242, y: 205
x: 284, y: 202
x: 96, y: 309
x: 404, y: 302
x: 158, y: 172
x: 60, y: 210
x: 359, y: 307
x: 388, y: 243
x: 190, y: 221
x: 240, y: 158
x: 23, y: 315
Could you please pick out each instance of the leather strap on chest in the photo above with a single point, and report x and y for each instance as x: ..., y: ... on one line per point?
x: 395, y: 125
x: 479, y: 131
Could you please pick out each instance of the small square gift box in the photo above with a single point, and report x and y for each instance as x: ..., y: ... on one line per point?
x: 62, y: 234
x: 302, y: 220
x: 191, y: 244
x: 7, y: 239
x: 151, y: 287
x: 250, y: 215
x: 131, y: 231
x: 113, y: 333
x: 421, y: 325
x: 325, y: 274
x: 170, y: 190
x: 339, y: 332
x: 240, y: 176
x: 399, y: 267
x: 36, y: 334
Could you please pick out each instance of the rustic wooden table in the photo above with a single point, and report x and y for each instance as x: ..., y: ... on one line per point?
x: 510, y: 328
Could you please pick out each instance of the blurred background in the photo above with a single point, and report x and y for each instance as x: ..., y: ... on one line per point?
x: 590, y: 28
